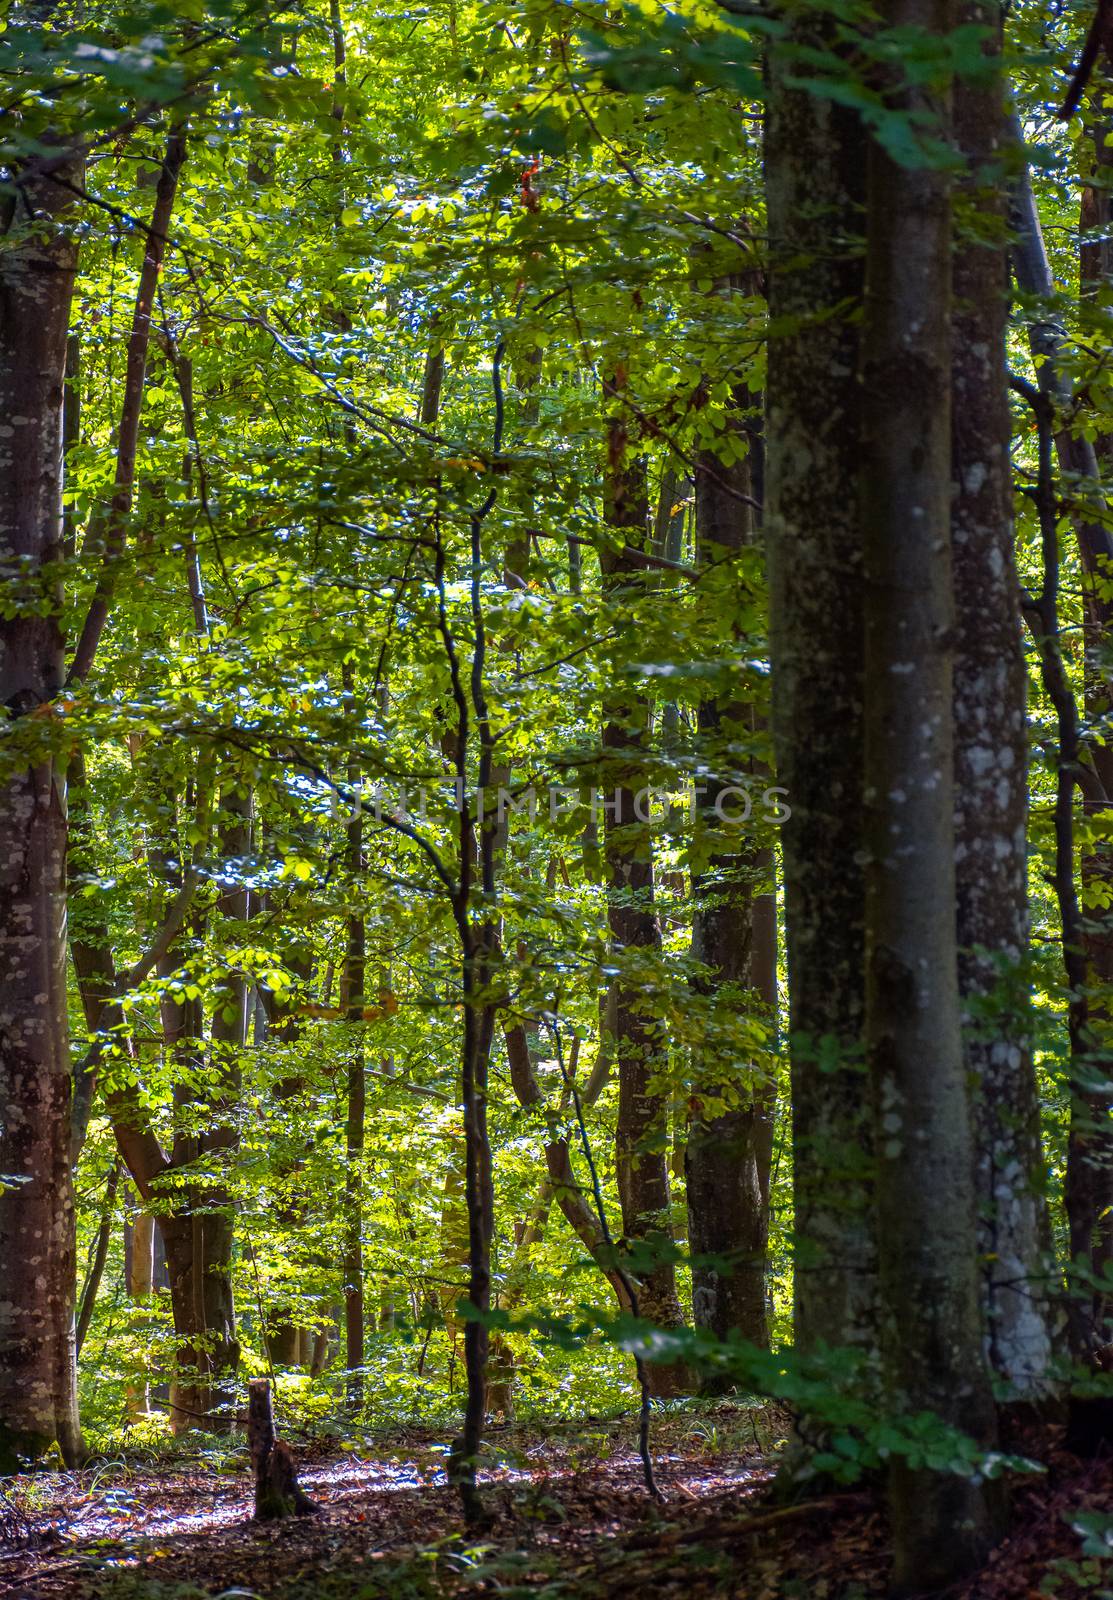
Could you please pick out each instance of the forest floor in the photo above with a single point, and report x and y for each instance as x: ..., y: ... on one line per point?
x: 572, y: 1521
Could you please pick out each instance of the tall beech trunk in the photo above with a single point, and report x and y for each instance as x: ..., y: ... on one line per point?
x: 734, y: 933
x: 815, y: 161
x: 38, y: 1404
x: 640, y: 1049
x: 932, y: 1340
x: 991, y: 761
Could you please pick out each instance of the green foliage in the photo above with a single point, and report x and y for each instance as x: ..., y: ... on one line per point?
x: 484, y: 175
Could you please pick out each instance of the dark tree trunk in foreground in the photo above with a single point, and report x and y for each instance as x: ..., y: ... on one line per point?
x: 641, y: 1129
x: 815, y: 161
x: 38, y: 1406
x: 734, y: 934
x: 991, y: 762
x: 932, y: 1338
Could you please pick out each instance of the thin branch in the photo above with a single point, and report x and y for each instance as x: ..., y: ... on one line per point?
x: 115, y: 530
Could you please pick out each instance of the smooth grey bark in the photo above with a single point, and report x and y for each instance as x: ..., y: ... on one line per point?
x: 932, y: 1336
x: 814, y: 167
x: 991, y: 760
x: 38, y: 1404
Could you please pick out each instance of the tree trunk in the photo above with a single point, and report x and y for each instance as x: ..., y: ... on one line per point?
x: 815, y: 161
x: 38, y: 1404
x: 640, y: 1133
x: 355, y: 1134
x: 734, y: 934
x: 931, y: 1325
x: 991, y: 763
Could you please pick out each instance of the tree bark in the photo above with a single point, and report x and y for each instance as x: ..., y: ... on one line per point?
x: 641, y: 1128
x: 991, y: 759
x: 931, y: 1325
x: 814, y: 164
x: 38, y: 1404
x: 734, y: 934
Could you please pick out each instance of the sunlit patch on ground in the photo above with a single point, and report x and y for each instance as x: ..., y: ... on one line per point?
x: 572, y: 1521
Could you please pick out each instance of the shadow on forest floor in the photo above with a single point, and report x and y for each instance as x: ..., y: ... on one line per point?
x: 572, y: 1523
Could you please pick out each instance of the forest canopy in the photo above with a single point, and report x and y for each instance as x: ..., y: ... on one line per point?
x: 555, y: 777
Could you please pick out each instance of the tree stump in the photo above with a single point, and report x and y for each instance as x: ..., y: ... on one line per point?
x: 277, y: 1493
